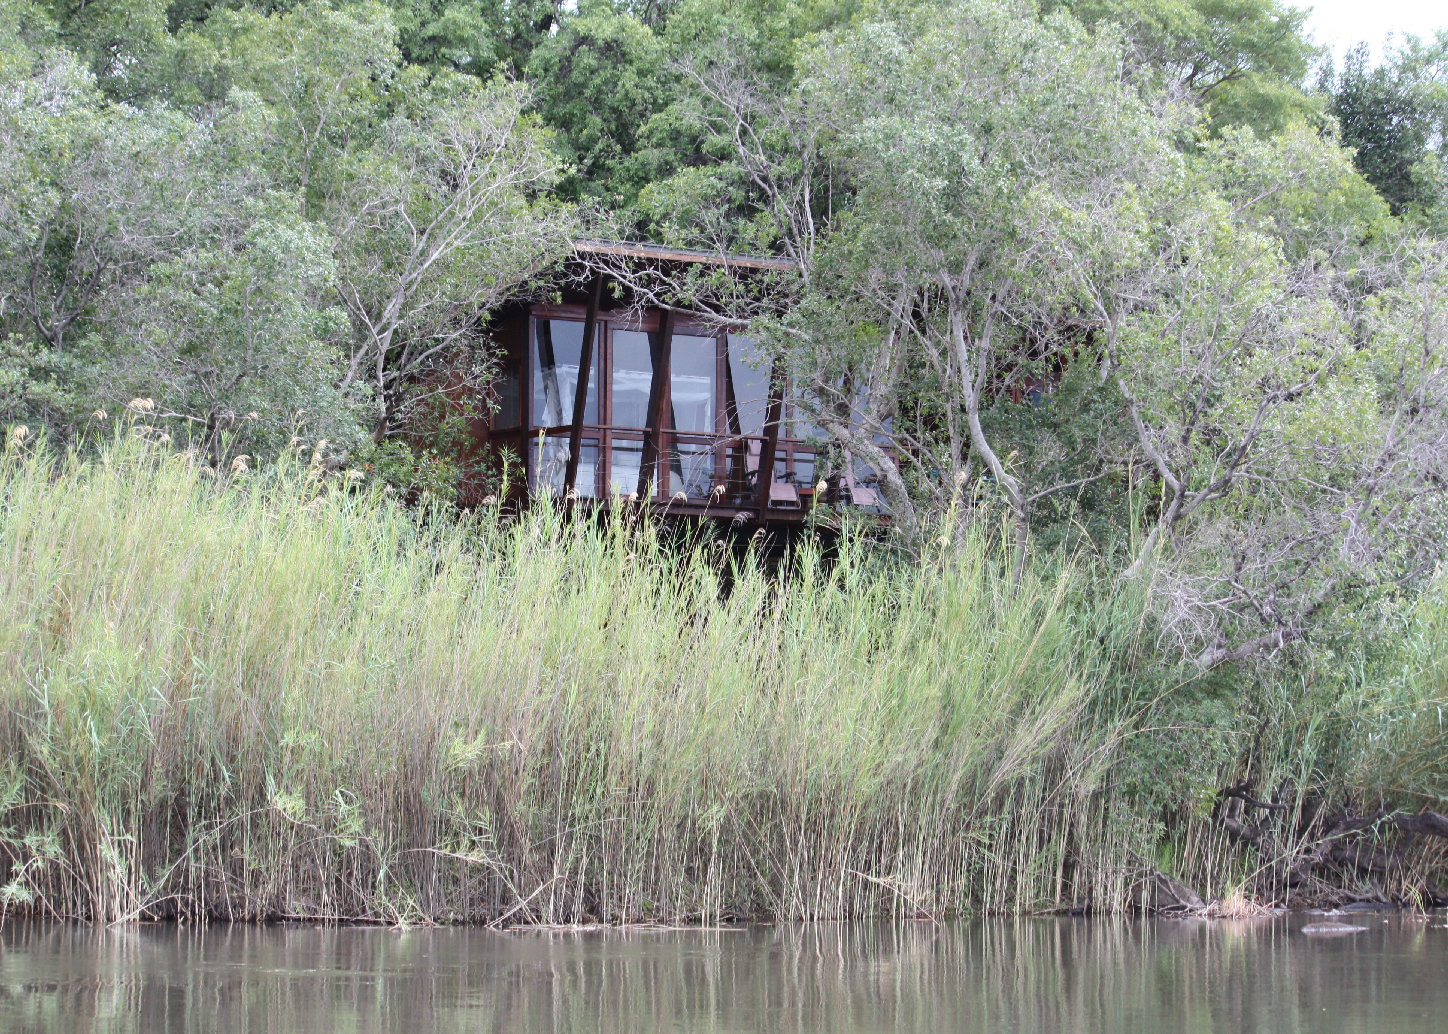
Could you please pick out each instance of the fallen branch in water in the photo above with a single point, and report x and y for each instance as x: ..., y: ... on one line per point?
x: 1349, y: 840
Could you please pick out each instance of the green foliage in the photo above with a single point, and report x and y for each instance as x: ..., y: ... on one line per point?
x: 1303, y: 190
x: 321, y: 72
x: 236, y: 335
x: 600, y: 80
x: 123, y: 42
x: 1243, y: 60
x: 483, y: 38
x: 1394, y: 115
x: 291, y: 235
x: 446, y: 215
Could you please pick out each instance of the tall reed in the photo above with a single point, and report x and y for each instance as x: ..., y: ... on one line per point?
x: 273, y: 697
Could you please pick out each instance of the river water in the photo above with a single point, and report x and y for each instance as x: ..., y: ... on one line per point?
x: 1025, y: 975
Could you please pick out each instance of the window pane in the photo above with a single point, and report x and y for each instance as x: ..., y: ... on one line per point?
x: 748, y: 388
x: 691, y: 469
x: 586, y: 483
x: 633, y: 371
x: 801, y: 424
x: 549, y: 467
x: 558, y: 347
x: 505, y: 388
x: 547, y: 461
x: 857, y: 417
x: 626, y: 459
x: 804, y: 469
x: 692, y: 368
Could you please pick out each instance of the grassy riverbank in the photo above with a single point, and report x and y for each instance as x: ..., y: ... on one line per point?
x: 274, y: 698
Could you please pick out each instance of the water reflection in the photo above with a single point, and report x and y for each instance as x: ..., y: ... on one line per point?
x: 1024, y: 975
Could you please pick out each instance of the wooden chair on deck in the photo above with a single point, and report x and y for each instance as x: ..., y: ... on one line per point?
x: 781, y: 493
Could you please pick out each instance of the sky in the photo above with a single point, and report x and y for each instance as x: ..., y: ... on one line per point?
x: 1342, y: 23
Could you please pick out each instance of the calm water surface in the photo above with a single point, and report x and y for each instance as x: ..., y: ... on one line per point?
x: 1030, y: 975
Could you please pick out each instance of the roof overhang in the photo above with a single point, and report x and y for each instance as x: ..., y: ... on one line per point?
x: 688, y: 256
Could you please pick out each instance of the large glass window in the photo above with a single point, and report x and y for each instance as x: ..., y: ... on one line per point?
x: 692, y: 373
x: 557, y: 352
x: 714, y: 430
x: 747, y: 390
x: 586, y: 483
x: 633, y: 372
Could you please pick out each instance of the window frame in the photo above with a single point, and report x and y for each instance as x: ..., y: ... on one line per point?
x: 727, y: 448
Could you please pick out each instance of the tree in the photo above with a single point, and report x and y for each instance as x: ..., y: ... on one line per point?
x: 599, y: 81
x: 433, y: 186
x: 481, y: 38
x: 1346, y: 508
x: 1191, y: 311
x: 1293, y: 439
x: 108, y: 195
x: 122, y: 42
x: 235, y: 336
x: 91, y: 194
x: 934, y: 124
x: 696, y: 193
x: 1244, y: 61
x: 321, y: 74
x: 1395, y: 116
x: 445, y: 216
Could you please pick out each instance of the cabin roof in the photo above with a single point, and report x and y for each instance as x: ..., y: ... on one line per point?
x: 662, y: 253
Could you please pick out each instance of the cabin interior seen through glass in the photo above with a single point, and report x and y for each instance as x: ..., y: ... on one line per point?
x: 715, y: 409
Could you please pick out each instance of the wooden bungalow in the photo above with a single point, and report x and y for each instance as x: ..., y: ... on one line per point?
x: 602, y: 400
